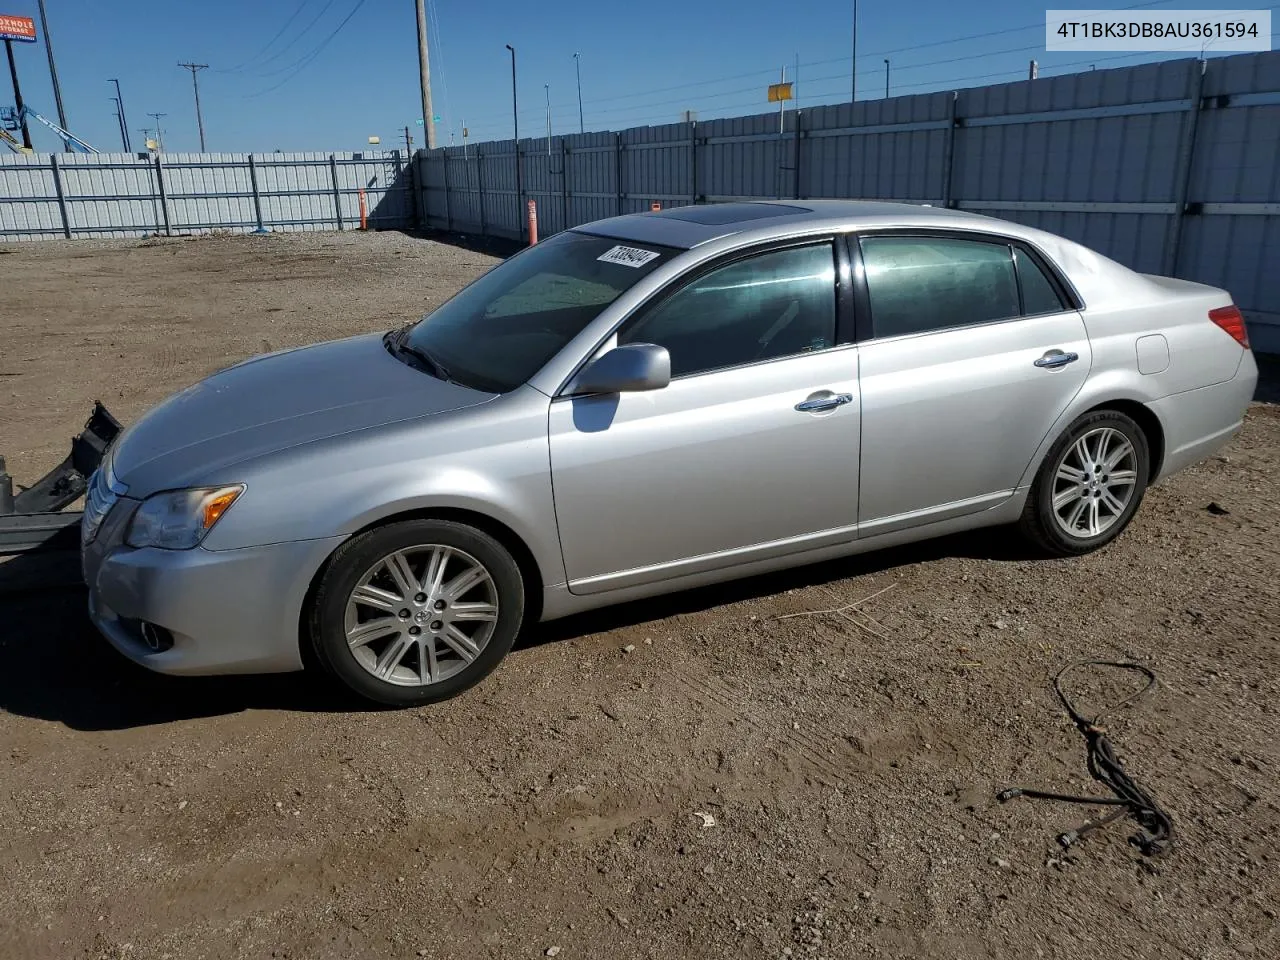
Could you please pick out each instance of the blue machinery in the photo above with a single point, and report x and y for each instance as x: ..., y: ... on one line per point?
x: 11, y: 119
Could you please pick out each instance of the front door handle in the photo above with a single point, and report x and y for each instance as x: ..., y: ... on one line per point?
x: 824, y: 403
x: 1056, y: 358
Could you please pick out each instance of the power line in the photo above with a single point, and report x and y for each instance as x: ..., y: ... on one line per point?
x: 938, y: 84
x: 816, y: 63
x: 279, y: 53
x: 309, y: 58
x: 702, y: 97
x: 874, y: 71
x: 440, y: 72
x: 279, y: 33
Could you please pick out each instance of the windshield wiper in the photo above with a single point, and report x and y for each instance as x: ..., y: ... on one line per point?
x: 398, y: 341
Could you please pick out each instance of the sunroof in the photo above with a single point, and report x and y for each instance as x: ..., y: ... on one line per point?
x: 718, y: 214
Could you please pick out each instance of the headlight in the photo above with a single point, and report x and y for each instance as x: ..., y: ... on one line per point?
x: 180, y: 519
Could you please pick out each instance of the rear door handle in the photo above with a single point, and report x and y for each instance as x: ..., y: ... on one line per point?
x: 1056, y: 358
x: 824, y: 403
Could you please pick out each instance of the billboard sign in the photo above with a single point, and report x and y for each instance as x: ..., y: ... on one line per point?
x: 22, y: 29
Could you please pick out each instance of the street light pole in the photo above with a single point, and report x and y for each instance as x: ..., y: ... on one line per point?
x: 53, y: 72
x: 515, y: 133
x: 547, y: 88
x: 124, y: 122
x: 886, y: 79
x: 853, y: 78
x: 120, y: 120
x: 577, y: 66
x: 17, y: 95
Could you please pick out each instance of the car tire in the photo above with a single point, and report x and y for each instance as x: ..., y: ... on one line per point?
x: 445, y: 644
x: 1059, y: 516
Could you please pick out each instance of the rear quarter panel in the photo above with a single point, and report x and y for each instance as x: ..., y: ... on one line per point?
x: 1129, y: 315
x: 1199, y: 353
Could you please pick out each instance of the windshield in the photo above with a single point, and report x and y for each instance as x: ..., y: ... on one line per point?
x: 501, y: 329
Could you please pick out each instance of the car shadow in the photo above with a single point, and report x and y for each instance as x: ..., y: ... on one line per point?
x: 473, y: 243
x: 1268, y: 390
x: 55, y: 666
x: 994, y: 544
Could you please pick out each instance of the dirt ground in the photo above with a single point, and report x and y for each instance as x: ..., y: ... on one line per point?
x: 690, y: 777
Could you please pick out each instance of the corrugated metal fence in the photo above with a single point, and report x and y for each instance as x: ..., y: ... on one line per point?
x: 1165, y: 167
x: 128, y: 195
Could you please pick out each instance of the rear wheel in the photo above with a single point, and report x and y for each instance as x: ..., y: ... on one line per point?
x: 1089, y: 486
x: 418, y: 611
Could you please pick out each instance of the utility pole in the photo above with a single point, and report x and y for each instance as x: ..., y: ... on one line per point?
x: 195, y: 68
x: 547, y: 88
x: 515, y: 134
x: 577, y: 66
x: 795, y: 90
x: 408, y: 142
x: 886, y: 79
x: 853, y: 77
x: 1035, y: 71
x: 17, y: 95
x: 124, y: 122
x: 159, y: 132
x: 424, y: 68
x: 53, y: 73
x: 124, y: 137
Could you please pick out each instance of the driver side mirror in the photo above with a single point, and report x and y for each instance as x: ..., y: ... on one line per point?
x: 631, y: 367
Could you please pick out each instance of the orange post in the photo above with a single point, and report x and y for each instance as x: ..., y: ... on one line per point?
x: 364, y: 212
x: 533, y: 223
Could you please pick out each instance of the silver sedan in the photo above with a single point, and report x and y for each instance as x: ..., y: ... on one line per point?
x: 642, y: 405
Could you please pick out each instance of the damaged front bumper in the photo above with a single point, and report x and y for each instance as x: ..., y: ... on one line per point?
x: 34, y: 519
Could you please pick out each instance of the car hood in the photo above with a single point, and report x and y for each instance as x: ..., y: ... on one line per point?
x: 273, y: 402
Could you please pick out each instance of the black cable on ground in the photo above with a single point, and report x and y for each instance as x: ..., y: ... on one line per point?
x: 1156, y: 835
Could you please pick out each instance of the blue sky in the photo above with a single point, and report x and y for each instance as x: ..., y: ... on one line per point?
x: 643, y: 62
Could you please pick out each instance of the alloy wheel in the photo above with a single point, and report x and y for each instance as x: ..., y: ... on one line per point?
x: 421, y: 615
x: 1094, y: 483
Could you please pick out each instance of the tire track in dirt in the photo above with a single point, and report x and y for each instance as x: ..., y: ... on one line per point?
x: 721, y: 699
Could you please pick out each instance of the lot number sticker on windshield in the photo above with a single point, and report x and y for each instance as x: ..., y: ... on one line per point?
x: 627, y: 256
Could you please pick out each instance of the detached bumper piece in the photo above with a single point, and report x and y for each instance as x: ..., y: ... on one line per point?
x: 26, y: 532
x: 31, y: 519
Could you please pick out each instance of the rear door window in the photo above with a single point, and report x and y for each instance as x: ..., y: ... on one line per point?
x: 921, y: 284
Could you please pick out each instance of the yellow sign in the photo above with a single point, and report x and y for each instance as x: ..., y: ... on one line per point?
x: 779, y: 91
x: 153, y: 145
x: 375, y: 139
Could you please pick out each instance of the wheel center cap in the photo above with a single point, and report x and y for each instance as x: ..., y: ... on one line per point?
x: 422, y: 616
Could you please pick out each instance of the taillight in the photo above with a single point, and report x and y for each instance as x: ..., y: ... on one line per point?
x: 1230, y: 320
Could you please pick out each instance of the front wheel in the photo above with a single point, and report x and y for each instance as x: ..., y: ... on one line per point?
x: 418, y: 611
x: 1089, y: 486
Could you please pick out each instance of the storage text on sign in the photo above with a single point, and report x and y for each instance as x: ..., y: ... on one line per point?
x: 22, y: 29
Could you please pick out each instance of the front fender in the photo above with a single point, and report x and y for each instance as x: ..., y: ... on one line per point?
x: 491, y: 460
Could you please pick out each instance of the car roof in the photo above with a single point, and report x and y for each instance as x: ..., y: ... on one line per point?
x: 690, y: 226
